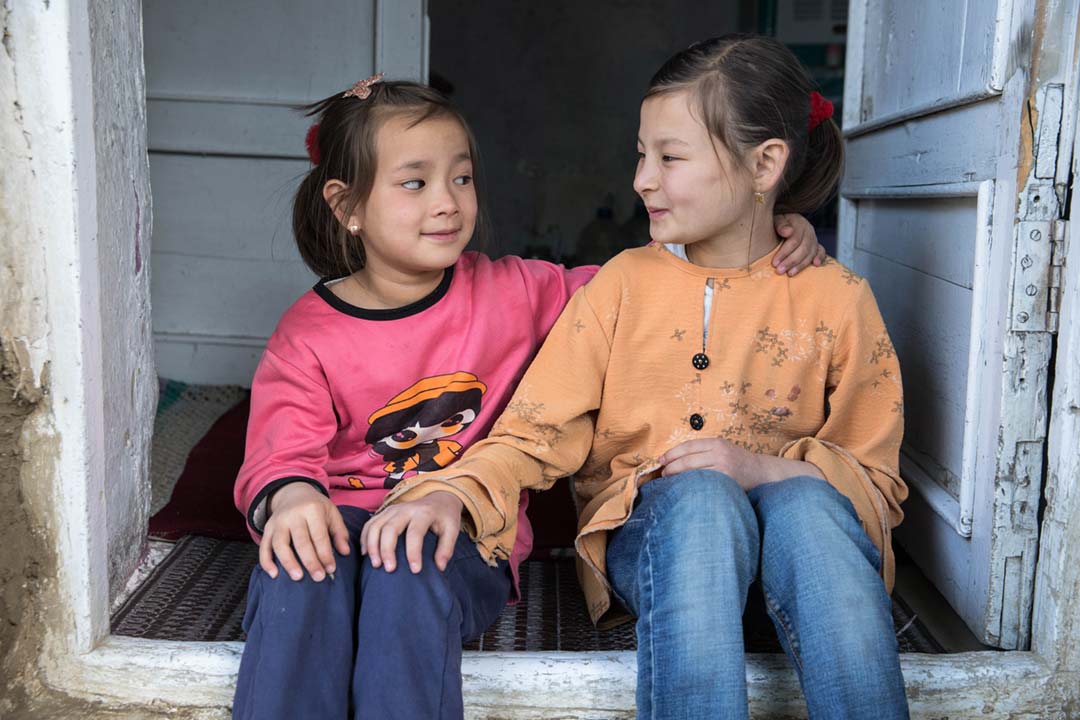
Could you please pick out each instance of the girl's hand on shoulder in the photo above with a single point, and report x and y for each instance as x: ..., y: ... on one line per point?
x: 439, y: 512
x: 304, y: 520
x: 739, y: 464
x: 800, y: 247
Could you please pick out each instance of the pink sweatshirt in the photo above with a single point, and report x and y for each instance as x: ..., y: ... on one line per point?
x: 353, y: 401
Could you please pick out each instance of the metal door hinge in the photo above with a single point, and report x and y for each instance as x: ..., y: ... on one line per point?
x: 1057, y: 261
x: 1036, y: 287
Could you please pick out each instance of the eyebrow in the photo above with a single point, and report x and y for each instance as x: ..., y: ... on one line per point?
x: 422, y: 164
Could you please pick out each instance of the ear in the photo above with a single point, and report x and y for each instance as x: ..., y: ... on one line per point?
x: 768, y: 161
x: 334, y: 193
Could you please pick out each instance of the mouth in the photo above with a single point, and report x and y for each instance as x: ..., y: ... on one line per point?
x: 450, y: 235
x: 656, y: 213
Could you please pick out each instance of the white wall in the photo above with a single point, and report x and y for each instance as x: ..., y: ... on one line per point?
x: 123, y: 243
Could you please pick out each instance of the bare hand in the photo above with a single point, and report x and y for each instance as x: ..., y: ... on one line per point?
x: 439, y: 512
x: 739, y: 464
x: 800, y: 248
x: 304, y: 520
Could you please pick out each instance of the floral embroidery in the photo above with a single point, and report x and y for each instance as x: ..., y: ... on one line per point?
x: 770, y: 343
x: 529, y: 412
x: 850, y: 277
x: 678, y: 334
x: 884, y: 349
x: 578, y: 325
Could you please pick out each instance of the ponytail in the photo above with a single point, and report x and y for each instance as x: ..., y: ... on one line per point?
x: 822, y: 169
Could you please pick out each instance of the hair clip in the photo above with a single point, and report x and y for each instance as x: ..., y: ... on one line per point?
x: 362, y: 89
x: 820, y: 109
x: 311, y: 142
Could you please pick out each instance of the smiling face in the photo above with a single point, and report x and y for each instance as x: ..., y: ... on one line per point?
x: 421, y: 211
x: 693, y: 189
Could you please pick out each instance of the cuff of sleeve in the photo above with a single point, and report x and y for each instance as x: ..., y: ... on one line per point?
x: 259, y: 509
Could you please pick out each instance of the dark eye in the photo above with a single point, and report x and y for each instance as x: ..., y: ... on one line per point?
x: 456, y: 420
x: 413, y: 184
x: 668, y: 158
x: 464, y: 180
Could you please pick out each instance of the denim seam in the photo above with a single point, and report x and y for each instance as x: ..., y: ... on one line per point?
x: 652, y: 600
x: 781, y: 616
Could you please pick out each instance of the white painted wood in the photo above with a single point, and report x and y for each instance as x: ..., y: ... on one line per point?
x: 401, y: 39
x: 261, y: 50
x: 929, y: 322
x: 236, y: 208
x: 920, y: 58
x: 856, y: 46
x: 1055, y: 630
x: 208, y: 360
x: 942, y: 270
x: 570, y: 685
x: 228, y: 153
x: 948, y: 147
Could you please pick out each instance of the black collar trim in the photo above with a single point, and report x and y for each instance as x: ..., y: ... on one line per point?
x: 391, y: 314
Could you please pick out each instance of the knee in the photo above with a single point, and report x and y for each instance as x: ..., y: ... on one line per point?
x: 803, y: 504
x: 429, y: 585
x: 703, y: 509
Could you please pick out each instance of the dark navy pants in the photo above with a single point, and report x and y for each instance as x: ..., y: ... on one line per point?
x: 368, y: 644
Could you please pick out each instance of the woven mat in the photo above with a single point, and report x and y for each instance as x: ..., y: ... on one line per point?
x: 199, y: 590
x: 185, y: 413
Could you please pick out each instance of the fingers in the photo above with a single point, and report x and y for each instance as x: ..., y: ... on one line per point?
x: 799, y: 260
x: 339, y: 533
x: 782, y: 225
x: 444, y: 550
x: 819, y: 256
x: 414, y: 544
x: 324, y: 551
x: 305, y: 548
x: 792, y: 254
x: 694, y: 461
x: 266, y: 554
x: 687, y: 448
x: 283, y: 550
x: 387, y: 541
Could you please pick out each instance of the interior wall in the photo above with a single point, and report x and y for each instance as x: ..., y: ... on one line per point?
x: 552, y: 90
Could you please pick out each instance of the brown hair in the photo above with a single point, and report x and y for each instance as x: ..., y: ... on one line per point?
x: 345, y: 146
x: 748, y: 89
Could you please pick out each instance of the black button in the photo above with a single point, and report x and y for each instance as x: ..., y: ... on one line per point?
x: 700, y: 361
x: 697, y: 422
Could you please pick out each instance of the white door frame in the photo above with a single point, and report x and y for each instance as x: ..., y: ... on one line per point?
x: 82, y: 658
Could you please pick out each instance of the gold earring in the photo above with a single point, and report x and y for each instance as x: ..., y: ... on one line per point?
x: 760, y: 198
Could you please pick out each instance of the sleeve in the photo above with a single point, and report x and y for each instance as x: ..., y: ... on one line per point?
x: 549, y: 287
x: 546, y: 431
x: 292, y: 422
x: 858, y: 447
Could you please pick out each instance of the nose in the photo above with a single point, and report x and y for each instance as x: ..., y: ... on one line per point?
x: 645, y: 176
x: 445, y: 201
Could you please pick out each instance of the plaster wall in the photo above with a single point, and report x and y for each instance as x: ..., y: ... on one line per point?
x: 123, y: 243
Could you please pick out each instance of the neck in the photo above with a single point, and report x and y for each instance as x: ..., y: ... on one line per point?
x: 729, y: 249
x: 376, y: 287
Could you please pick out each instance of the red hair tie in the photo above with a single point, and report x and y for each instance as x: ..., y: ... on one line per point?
x: 311, y: 142
x: 820, y: 109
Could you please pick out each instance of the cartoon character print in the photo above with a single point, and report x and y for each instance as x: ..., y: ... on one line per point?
x: 409, y: 431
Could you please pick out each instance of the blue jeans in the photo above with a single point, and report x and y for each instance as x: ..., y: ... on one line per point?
x: 368, y: 644
x: 684, y: 561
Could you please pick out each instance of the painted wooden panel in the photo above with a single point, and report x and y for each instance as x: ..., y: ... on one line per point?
x: 197, y: 295
x: 935, y: 236
x: 230, y: 208
x: 276, y: 51
x: 923, y: 56
x: 947, y: 147
x: 929, y: 322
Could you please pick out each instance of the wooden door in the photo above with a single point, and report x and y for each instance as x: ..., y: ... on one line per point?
x: 950, y: 206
